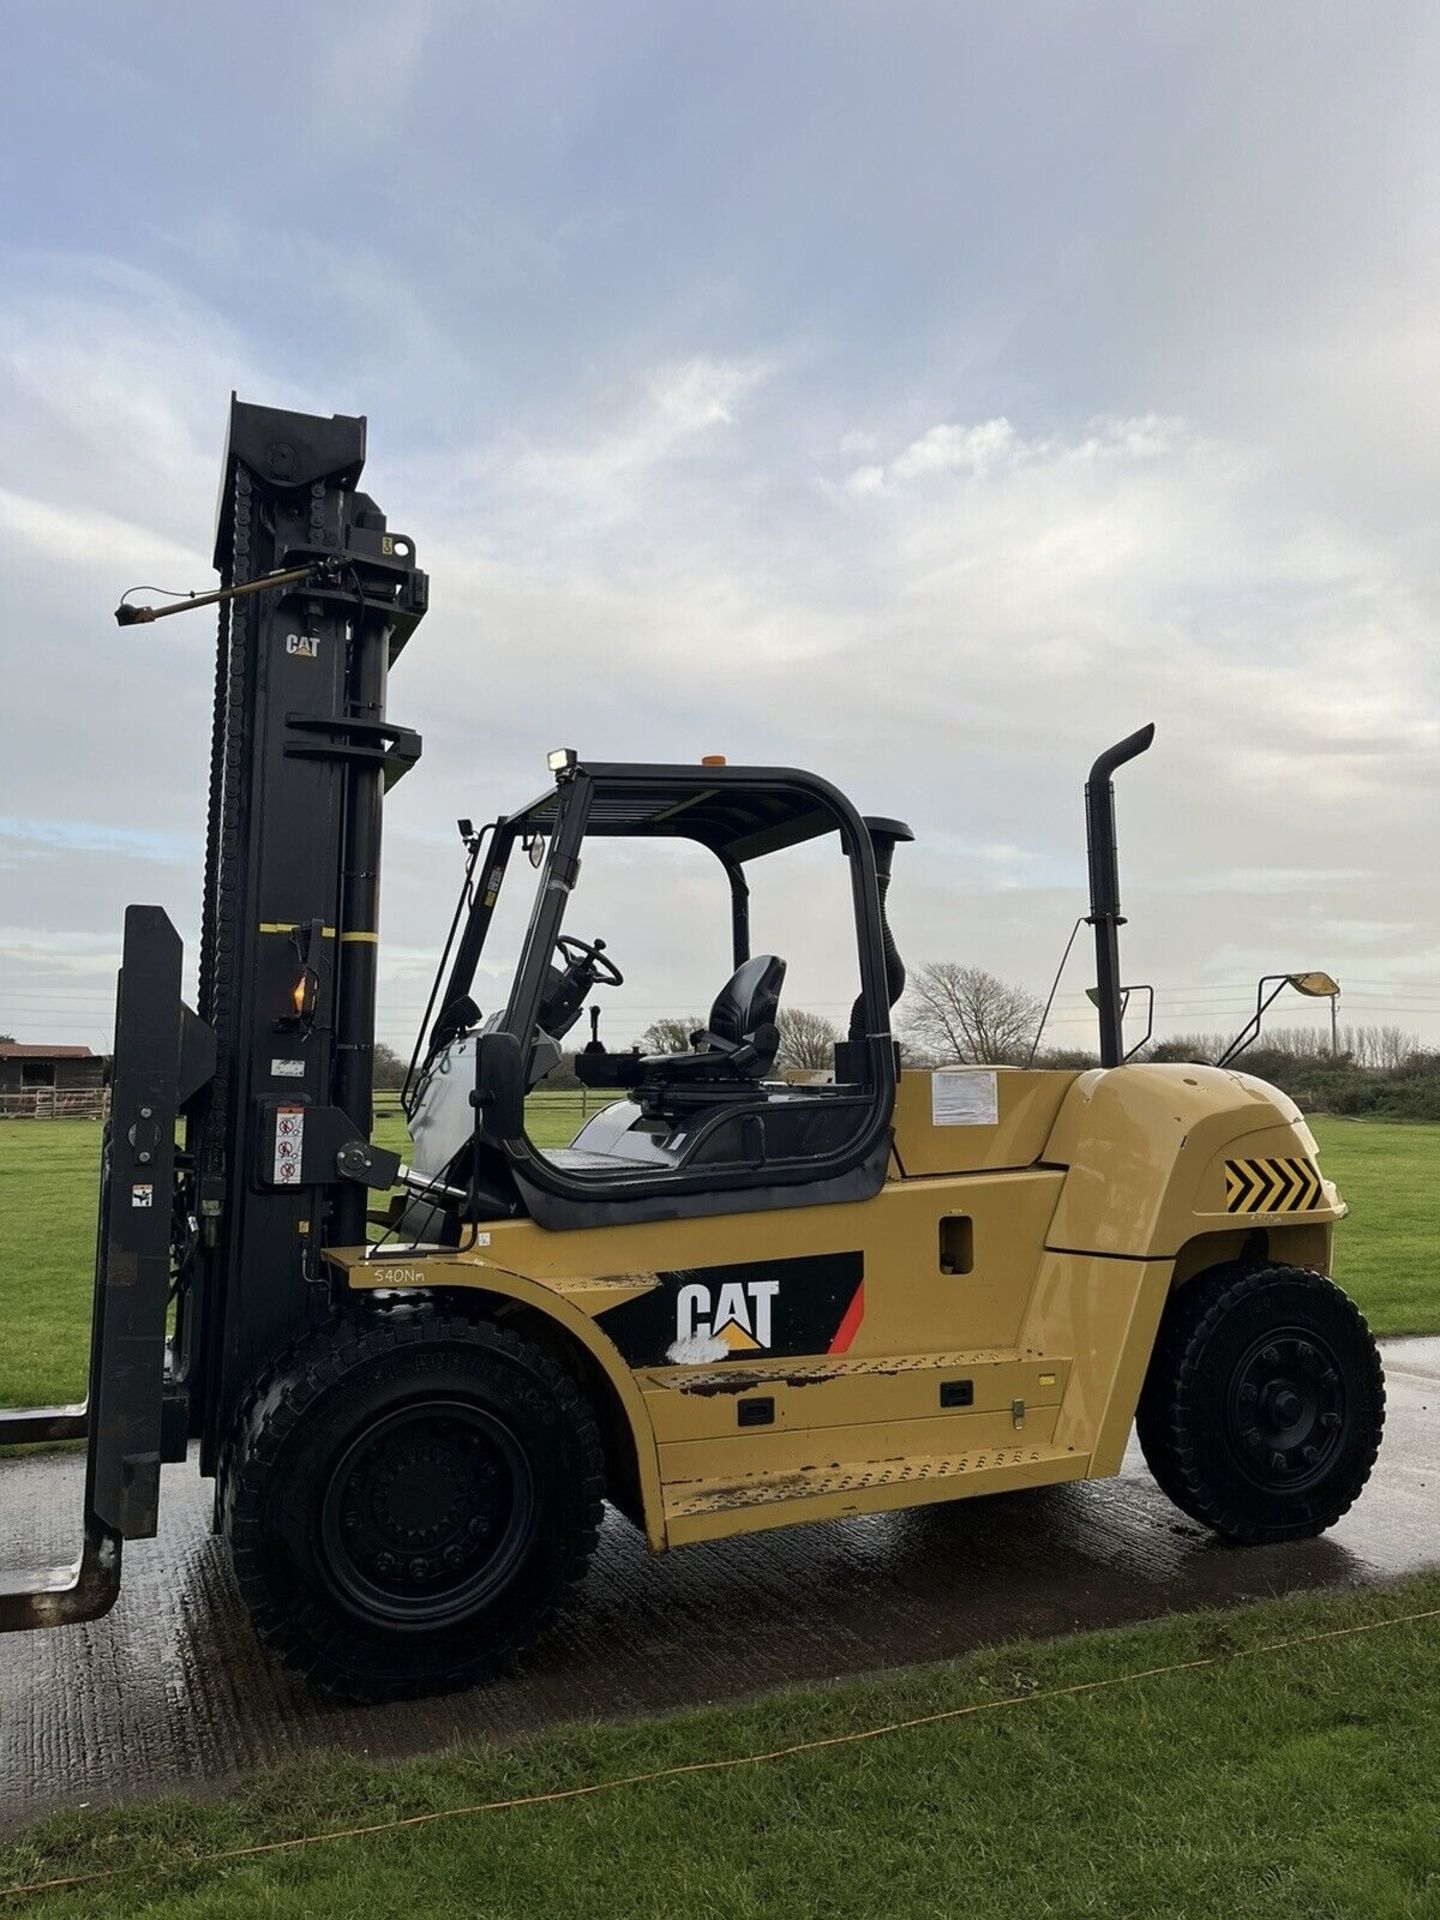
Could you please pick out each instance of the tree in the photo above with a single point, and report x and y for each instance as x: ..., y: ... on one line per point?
x: 806, y: 1039
x: 7, y: 1040
x: 670, y: 1036
x: 1385, y: 1047
x: 1189, y: 1047
x: 953, y: 1012
x: 390, y: 1069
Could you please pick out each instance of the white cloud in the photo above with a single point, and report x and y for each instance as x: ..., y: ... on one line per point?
x: 85, y: 538
x: 947, y: 449
x: 672, y: 416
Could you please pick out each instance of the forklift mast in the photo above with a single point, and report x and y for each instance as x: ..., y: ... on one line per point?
x: 270, y: 1083
x: 301, y: 753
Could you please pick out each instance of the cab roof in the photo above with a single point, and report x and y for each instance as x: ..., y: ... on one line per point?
x: 739, y: 813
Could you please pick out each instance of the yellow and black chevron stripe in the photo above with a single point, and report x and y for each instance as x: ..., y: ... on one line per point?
x: 1272, y: 1186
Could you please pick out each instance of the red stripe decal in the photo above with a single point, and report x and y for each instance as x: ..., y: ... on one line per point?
x: 850, y: 1325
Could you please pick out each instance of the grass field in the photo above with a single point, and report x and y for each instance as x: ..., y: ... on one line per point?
x: 1278, y: 1784
x: 1388, y: 1253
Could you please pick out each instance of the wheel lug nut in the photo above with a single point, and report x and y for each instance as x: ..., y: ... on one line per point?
x: 1278, y: 1463
x: 385, y: 1563
x: 1311, y: 1456
x: 419, y: 1569
x: 1330, y: 1421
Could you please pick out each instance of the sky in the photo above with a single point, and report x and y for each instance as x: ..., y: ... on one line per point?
x: 923, y: 394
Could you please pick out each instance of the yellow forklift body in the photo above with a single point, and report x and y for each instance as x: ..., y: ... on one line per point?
x: 1012, y: 1273
x: 731, y: 1303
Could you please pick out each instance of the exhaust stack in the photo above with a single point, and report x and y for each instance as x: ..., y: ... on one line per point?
x: 885, y: 836
x: 1105, y: 915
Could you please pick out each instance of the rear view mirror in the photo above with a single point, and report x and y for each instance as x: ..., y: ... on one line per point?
x: 499, y: 1095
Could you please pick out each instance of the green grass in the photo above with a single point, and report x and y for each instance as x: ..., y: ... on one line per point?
x: 1280, y: 1785
x: 1385, y: 1253
x: 48, y: 1175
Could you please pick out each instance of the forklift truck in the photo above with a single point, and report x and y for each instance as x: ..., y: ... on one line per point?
x: 733, y: 1302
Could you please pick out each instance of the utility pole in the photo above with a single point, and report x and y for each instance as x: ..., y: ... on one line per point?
x: 1335, y: 1023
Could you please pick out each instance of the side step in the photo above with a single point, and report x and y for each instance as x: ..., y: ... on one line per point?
x: 162, y: 1055
x: 709, y: 1510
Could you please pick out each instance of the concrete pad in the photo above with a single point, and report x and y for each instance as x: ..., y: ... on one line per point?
x: 172, y: 1692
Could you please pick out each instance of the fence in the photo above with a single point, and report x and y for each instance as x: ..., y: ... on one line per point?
x: 93, y: 1103
x: 565, y: 1103
x: 51, y: 1103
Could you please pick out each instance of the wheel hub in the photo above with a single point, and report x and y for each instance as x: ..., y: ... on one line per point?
x: 1287, y: 1409
x: 426, y: 1512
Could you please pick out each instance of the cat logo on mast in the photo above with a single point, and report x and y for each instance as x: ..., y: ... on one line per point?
x: 307, y: 645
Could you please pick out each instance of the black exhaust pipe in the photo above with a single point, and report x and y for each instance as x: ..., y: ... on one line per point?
x: 1105, y: 915
x: 885, y: 836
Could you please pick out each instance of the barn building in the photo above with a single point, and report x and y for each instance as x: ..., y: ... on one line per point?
x: 41, y: 1082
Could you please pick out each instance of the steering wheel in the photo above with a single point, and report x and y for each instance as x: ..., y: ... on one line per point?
x: 592, y: 956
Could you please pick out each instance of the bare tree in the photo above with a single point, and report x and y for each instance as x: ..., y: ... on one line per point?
x: 806, y: 1039
x: 953, y: 1012
x: 1385, y: 1047
x: 670, y: 1036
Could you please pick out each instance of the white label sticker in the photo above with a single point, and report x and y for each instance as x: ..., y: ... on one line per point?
x: 142, y: 1195
x: 482, y: 1239
x: 964, y: 1097
x: 287, y: 1069
x: 289, y: 1145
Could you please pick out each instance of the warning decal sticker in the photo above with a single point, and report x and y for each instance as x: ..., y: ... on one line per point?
x: 964, y: 1097
x: 289, y: 1142
x: 1272, y: 1186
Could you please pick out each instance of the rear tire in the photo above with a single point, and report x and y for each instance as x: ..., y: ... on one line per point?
x: 408, y: 1496
x: 1263, y: 1408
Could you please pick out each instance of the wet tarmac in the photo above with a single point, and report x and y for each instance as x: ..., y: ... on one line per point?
x: 170, y: 1691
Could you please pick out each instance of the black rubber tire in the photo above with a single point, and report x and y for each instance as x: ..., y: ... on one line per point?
x: 1217, y: 1418
x: 452, y: 1410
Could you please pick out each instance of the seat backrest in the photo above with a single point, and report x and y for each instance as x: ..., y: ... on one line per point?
x: 749, y: 999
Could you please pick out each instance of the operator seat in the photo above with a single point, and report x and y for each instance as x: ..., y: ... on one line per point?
x: 735, y: 1050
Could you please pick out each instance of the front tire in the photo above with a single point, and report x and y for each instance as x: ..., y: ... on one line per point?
x: 408, y: 1495
x: 1263, y: 1408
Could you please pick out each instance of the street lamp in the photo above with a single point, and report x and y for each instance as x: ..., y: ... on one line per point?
x: 1315, y: 986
